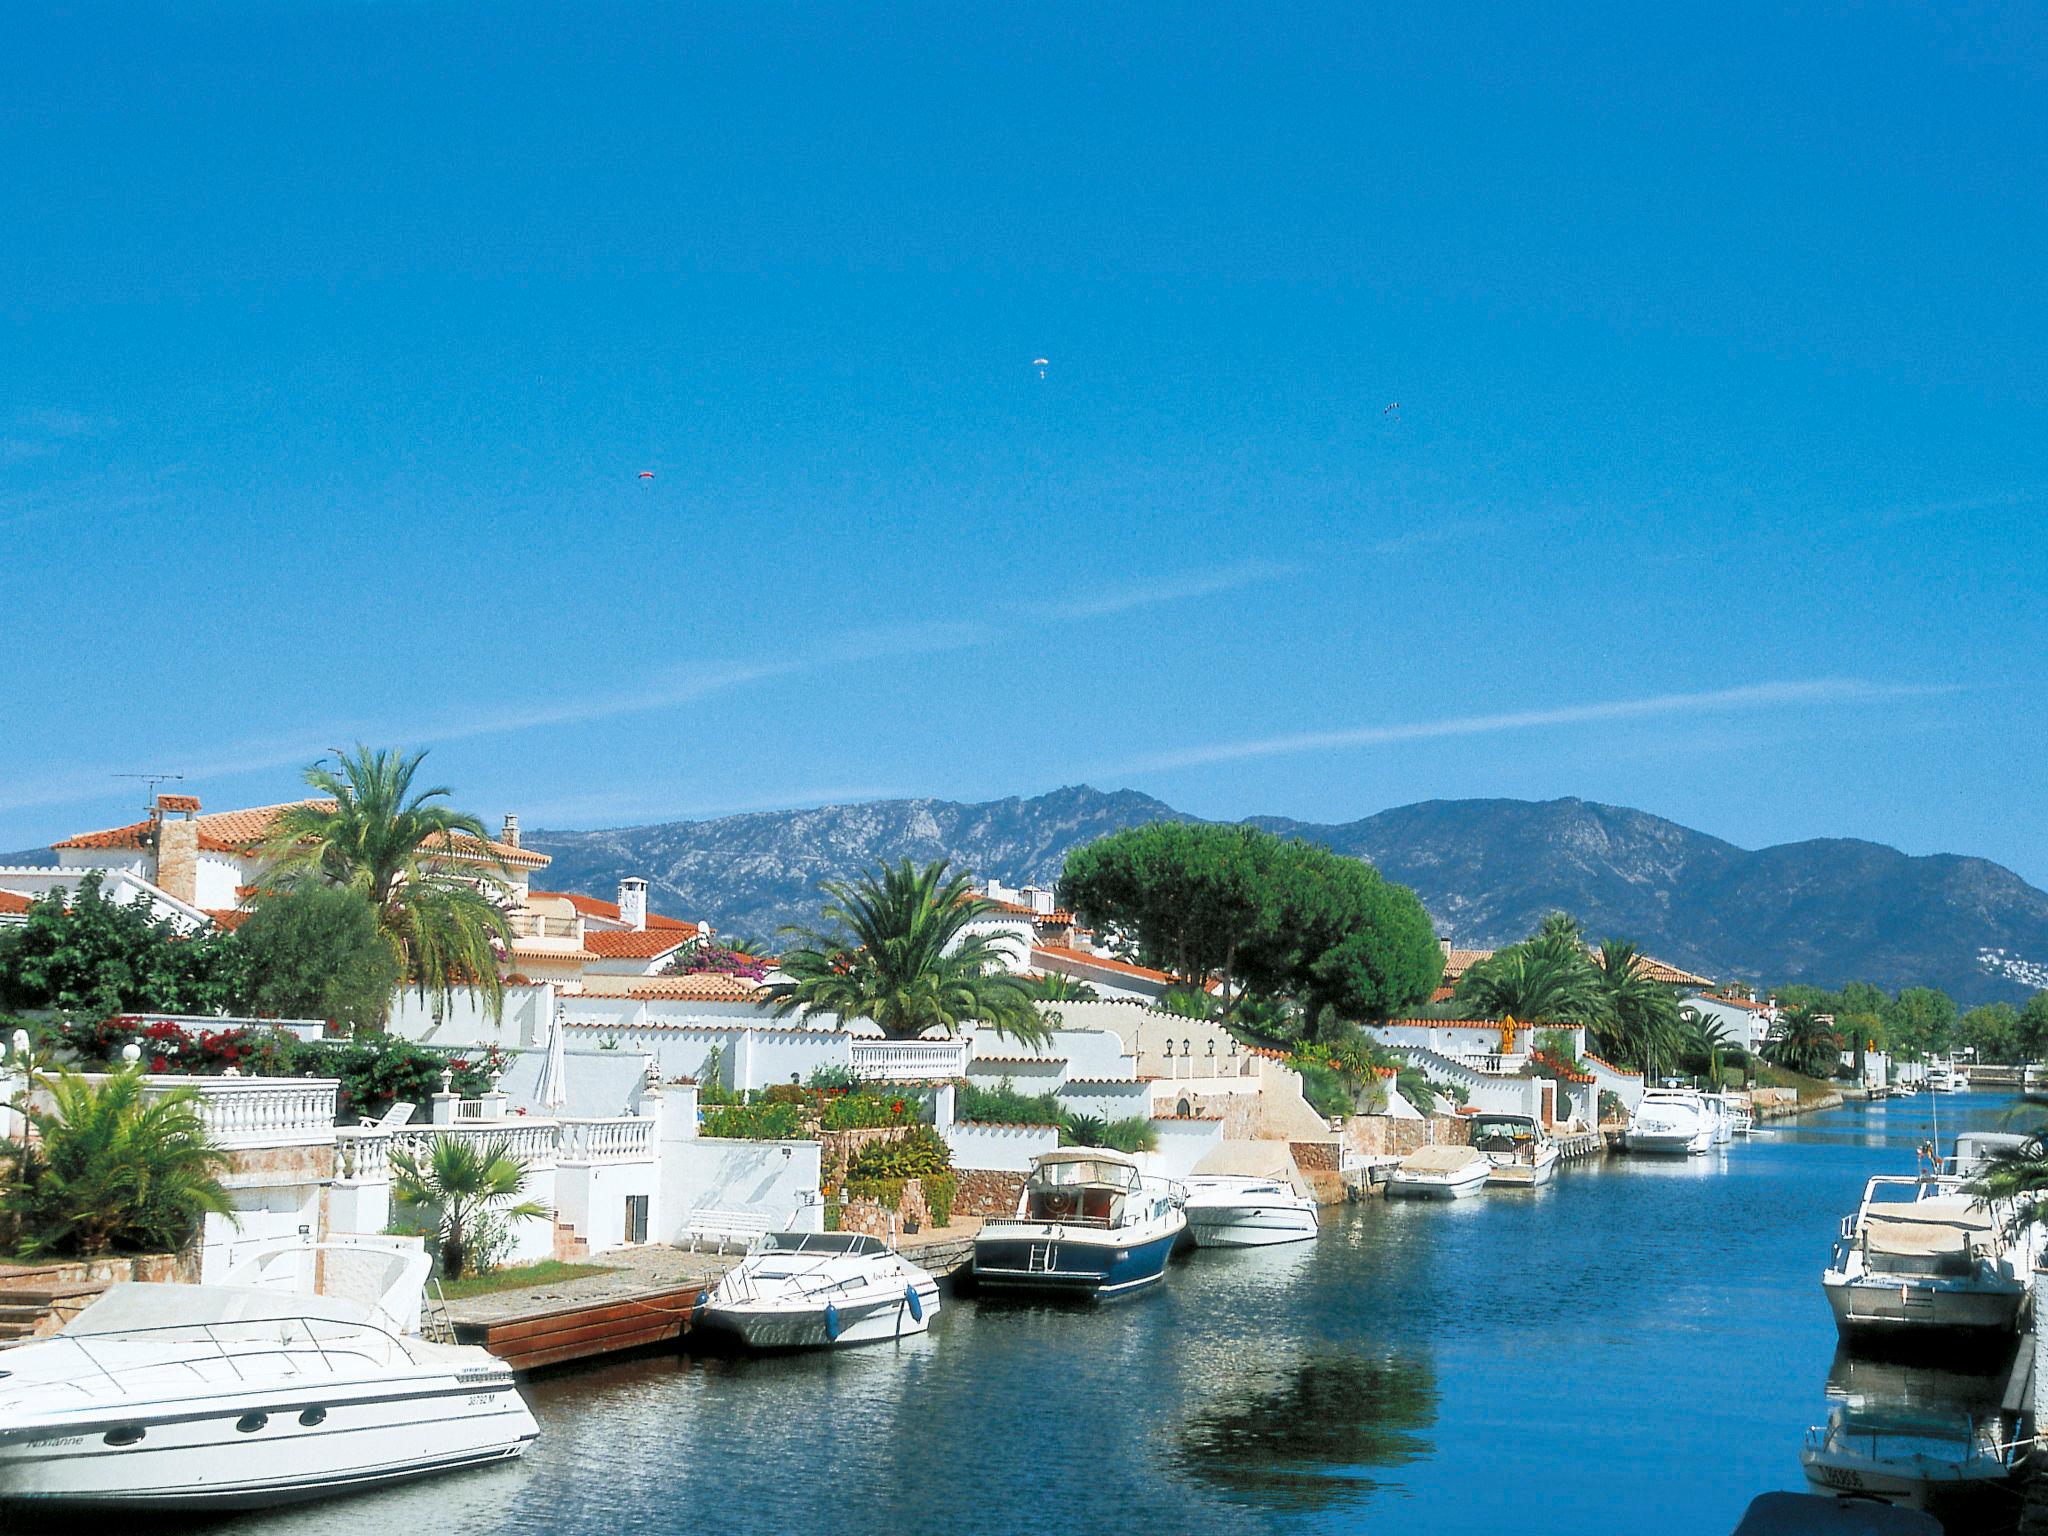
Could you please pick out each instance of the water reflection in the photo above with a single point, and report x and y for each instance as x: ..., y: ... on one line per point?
x: 1298, y: 1438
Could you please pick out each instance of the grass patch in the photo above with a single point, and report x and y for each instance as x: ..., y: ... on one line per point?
x: 1809, y: 1087
x: 519, y: 1276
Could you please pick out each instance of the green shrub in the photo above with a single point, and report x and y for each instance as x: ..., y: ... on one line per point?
x: 1004, y: 1105
x: 919, y: 1151
x: 1324, y: 1088
x: 831, y: 1078
x: 868, y: 1110
x: 755, y: 1122
x: 940, y: 1190
x: 1135, y: 1134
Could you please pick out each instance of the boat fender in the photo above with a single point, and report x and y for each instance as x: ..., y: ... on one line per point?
x: 831, y: 1323
x: 916, y: 1306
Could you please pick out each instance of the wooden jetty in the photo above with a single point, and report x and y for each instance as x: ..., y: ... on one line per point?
x: 581, y: 1330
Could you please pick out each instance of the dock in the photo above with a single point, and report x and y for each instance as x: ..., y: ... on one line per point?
x: 646, y: 1301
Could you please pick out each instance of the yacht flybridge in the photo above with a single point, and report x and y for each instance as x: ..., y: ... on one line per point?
x: 815, y: 1290
x: 1088, y: 1223
x: 179, y: 1397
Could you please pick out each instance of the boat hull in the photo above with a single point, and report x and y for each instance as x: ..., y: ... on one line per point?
x: 1250, y: 1226
x: 1050, y: 1258
x: 1932, y: 1486
x: 1411, y: 1186
x: 874, y: 1320
x: 1881, y: 1307
x: 192, y: 1457
x: 1668, y: 1143
x: 1523, y: 1175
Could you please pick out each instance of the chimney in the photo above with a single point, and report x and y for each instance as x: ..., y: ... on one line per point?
x: 177, y: 846
x: 633, y: 902
x: 509, y: 833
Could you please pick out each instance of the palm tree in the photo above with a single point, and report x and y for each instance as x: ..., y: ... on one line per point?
x: 112, y: 1168
x: 1637, y: 1017
x: 375, y: 833
x: 1058, y: 987
x: 897, y: 950
x: 1706, y: 1038
x: 2018, y: 1175
x: 472, y: 1187
x: 1534, y: 985
x: 1806, y: 1043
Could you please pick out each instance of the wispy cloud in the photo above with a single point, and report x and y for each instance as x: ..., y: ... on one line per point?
x: 676, y: 686
x: 1166, y: 587
x: 1786, y: 695
x: 1967, y: 506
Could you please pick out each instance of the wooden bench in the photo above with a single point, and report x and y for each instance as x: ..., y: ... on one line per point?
x: 727, y: 1227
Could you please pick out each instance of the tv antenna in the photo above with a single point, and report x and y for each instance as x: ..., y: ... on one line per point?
x: 153, y: 779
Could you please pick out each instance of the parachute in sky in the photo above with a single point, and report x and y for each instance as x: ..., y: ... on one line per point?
x: 646, y: 474
x: 1041, y: 364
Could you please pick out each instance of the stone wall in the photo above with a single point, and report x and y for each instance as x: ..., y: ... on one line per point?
x: 270, y: 1167
x: 885, y: 1222
x: 987, y: 1192
x: 837, y: 1148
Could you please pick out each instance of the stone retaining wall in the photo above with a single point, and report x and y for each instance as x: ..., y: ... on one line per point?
x: 987, y: 1192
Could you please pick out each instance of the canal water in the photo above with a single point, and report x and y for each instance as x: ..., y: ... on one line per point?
x: 1641, y: 1346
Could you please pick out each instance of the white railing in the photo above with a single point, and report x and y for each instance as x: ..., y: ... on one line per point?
x: 909, y: 1060
x: 629, y: 1139
x: 471, y: 1109
x: 1494, y: 1063
x: 532, y: 1141
x: 261, y: 1111
x: 527, y: 925
x: 362, y: 1154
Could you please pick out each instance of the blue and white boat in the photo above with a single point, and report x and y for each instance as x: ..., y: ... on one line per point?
x: 1088, y: 1223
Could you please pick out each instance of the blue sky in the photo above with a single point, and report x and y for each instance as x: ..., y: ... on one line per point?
x: 333, y: 341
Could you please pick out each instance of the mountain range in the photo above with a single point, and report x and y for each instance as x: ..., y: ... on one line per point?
x: 1826, y: 911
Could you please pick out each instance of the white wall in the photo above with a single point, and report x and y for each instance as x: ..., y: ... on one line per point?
x: 1107, y: 1100
x: 592, y: 1199
x: 468, y: 1022
x: 600, y: 1083
x: 777, y: 1179
x: 1006, y: 1148
x: 1182, y: 1144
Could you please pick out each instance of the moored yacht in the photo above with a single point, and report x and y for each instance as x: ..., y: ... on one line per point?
x: 1947, y: 1077
x: 1945, y: 1462
x: 181, y: 1397
x: 1440, y: 1173
x: 822, y: 1290
x: 1246, y: 1211
x: 1520, y: 1152
x: 1670, y: 1121
x: 1921, y: 1258
x: 1088, y: 1223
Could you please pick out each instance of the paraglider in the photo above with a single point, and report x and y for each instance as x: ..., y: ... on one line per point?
x: 1390, y: 410
x: 646, y: 474
x: 1041, y: 364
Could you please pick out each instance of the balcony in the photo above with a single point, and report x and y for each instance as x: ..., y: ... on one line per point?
x: 531, y: 925
x: 909, y: 1061
x: 626, y: 1139
x: 244, y: 1112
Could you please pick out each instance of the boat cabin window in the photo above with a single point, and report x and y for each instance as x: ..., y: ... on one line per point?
x: 1085, y: 1170
x: 1068, y: 1204
x: 821, y: 1243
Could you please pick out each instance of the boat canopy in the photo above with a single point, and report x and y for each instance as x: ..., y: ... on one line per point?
x: 1084, y: 1165
x: 1928, y: 1227
x: 1438, y: 1159
x: 133, y: 1306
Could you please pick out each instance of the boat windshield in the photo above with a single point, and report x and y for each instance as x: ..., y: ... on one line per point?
x: 1502, y: 1133
x: 141, y: 1306
x: 821, y: 1243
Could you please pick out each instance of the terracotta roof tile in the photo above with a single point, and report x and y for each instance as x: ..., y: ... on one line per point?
x: 1100, y: 962
x: 635, y: 943
x: 241, y: 831
x: 593, y: 906
x: 13, y: 901
x: 702, y: 988
x: 1459, y: 961
x: 227, y: 919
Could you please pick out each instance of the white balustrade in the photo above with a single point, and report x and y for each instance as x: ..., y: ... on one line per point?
x: 362, y: 1154
x: 531, y: 1141
x: 241, y: 1112
x: 909, y: 1060
x: 628, y: 1139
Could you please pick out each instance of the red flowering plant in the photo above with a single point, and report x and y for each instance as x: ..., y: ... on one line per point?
x: 708, y: 959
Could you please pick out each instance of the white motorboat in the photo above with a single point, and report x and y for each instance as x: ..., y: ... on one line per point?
x: 1944, y: 1462
x: 186, y: 1397
x: 1672, y: 1122
x: 1520, y: 1151
x: 822, y: 1290
x: 1239, y: 1211
x: 1974, y: 1151
x: 1440, y: 1173
x: 1921, y: 1258
x: 1947, y: 1077
x: 1088, y: 1223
